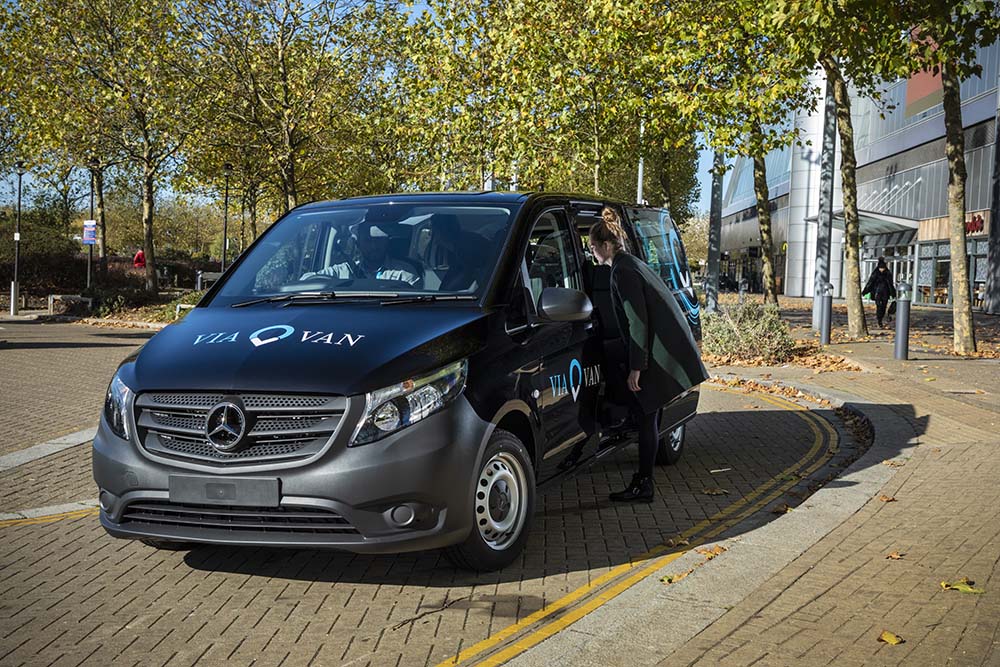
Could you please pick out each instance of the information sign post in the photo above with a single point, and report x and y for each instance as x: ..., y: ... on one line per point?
x: 89, y: 240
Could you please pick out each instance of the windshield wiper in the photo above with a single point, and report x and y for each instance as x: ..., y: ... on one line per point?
x: 428, y: 298
x: 286, y: 297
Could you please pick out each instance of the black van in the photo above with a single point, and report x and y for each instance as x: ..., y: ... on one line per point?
x: 384, y: 374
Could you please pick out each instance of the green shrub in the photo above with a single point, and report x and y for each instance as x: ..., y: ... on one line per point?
x: 112, y: 302
x: 166, y: 312
x: 747, y: 332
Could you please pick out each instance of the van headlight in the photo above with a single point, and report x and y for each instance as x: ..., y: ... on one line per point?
x: 395, y: 407
x: 116, y: 407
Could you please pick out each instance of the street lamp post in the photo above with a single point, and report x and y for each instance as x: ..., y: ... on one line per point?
x: 92, y: 165
x: 228, y: 169
x: 14, y: 290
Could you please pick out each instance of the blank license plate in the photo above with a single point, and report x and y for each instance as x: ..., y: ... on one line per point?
x: 244, y: 491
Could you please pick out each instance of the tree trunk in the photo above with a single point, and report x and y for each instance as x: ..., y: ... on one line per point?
x: 102, y: 227
x: 288, y: 172
x: 964, y: 336
x: 252, y: 204
x: 597, y: 165
x: 764, y: 221
x: 856, y: 326
x: 148, y: 191
x: 291, y: 196
x: 243, y: 223
x: 714, y: 235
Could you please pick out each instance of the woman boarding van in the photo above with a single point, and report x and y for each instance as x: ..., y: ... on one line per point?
x: 386, y: 374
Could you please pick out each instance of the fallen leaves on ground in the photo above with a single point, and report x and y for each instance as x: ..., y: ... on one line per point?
x: 806, y: 353
x: 674, y: 578
x: 892, y: 463
x: 963, y: 585
x: 712, y: 552
x: 858, y: 424
x: 708, y: 552
x: 895, y: 555
x: 715, y: 491
x: 783, y: 508
x: 678, y: 542
x: 887, y: 499
x: 890, y: 638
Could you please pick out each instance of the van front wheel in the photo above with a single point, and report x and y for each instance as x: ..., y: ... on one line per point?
x: 671, y: 447
x: 502, y: 505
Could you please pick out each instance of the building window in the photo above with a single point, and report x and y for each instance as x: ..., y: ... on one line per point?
x: 933, y: 285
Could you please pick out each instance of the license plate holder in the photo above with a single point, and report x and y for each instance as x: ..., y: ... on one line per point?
x: 239, y: 491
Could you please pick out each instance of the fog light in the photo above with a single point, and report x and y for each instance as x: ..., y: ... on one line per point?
x: 106, y: 500
x: 402, y: 515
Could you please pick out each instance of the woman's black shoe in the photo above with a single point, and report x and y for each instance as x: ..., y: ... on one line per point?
x: 639, y: 491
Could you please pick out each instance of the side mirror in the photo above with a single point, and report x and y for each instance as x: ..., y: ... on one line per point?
x: 561, y: 304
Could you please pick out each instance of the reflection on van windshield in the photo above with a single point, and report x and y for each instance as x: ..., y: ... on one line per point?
x: 397, y: 248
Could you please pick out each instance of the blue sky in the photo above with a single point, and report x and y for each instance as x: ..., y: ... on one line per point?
x: 705, y: 178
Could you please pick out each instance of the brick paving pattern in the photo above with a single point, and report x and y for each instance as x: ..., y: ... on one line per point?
x: 53, y: 377
x: 61, y: 478
x: 69, y: 594
x: 830, y: 605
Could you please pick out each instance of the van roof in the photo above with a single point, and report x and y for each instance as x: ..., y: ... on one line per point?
x: 468, y: 196
x: 427, y: 197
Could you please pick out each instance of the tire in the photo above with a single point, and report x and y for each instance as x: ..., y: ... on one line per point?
x: 503, y: 504
x: 671, y: 447
x: 166, y: 545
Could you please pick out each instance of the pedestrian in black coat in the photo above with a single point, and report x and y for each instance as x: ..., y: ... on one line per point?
x: 881, y: 289
x: 663, y: 357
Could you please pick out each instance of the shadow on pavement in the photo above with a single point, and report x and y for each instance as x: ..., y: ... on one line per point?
x: 577, y: 529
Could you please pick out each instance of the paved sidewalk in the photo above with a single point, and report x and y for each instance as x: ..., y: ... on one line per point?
x: 830, y: 605
x: 53, y: 377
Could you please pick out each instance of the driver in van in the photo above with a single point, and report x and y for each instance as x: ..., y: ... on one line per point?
x: 374, y: 260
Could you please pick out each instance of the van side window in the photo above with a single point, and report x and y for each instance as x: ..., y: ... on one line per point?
x: 550, y: 257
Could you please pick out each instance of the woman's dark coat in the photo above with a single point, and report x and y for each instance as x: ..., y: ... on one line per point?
x: 880, y: 286
x: 656, y: 333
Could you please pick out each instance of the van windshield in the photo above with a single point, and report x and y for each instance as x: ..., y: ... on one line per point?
x: 392, y: 248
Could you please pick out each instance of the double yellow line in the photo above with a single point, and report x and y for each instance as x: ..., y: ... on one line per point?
x: 49, y: 518
x: 654, y: 559
x: 628, y: 574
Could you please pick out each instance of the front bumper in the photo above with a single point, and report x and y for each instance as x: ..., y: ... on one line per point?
x: 410, y: 491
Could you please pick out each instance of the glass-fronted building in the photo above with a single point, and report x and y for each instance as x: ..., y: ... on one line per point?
x: 902, y: 178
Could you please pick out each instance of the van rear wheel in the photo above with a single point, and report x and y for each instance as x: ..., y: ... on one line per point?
x: 503, y: 503
x: 671, y: 447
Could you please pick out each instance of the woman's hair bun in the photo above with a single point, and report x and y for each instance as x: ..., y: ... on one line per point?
x: 609, y: 229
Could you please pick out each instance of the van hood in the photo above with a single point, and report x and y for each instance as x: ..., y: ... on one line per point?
x: 343, y: 349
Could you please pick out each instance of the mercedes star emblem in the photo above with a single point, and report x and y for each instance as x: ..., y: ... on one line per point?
x: 225, y: 426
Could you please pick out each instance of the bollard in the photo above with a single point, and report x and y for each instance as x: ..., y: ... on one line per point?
x: 902, y: 348
x: 825, y: 314
x: 743, y: 289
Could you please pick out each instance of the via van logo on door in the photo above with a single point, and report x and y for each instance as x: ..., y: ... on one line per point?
x: 578, y: 376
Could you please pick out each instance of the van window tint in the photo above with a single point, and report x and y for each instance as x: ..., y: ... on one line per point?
x: 550, y: 257
x: 662, y: 243
x: 395, y: 248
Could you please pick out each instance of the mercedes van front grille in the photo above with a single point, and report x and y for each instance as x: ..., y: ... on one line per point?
x: 194, y: 518
x: 282, y: 427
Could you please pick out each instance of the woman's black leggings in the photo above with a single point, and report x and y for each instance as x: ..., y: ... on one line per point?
x: 880, y: 305
x: 649, y: 439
